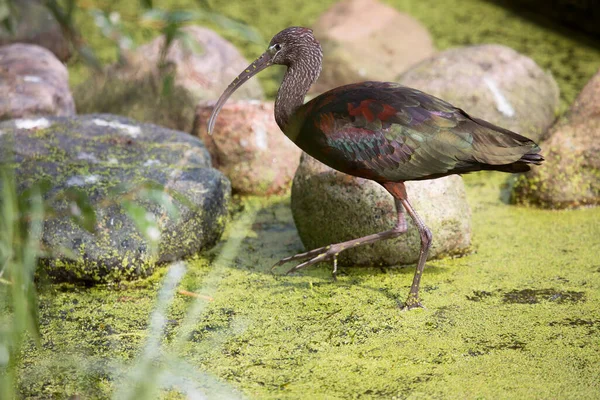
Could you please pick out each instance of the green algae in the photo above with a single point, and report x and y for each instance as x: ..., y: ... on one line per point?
x: 276, y: 336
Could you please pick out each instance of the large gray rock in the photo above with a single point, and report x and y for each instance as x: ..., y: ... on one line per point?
x: 368, y: 40
x: 248, y: 146
x: 33, y: 82
x: 205, y: 72
x: 570, y: 176
x: 36, y: 25
x: 491, y: 82
x: 101, y: 154
x: 331, y: 207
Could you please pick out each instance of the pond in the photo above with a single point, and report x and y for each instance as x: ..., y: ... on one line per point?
x: 517, y: 315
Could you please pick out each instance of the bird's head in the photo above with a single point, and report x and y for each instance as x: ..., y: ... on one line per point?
x: 291, y: 44
x: 286, y: 48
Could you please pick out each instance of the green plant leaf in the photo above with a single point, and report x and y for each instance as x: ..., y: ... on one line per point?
x: 163, y: 199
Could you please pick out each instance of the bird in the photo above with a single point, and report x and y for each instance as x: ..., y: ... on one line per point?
x: 381, y: 131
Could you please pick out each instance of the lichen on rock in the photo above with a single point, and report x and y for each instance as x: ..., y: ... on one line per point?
x: 570, y: 176
x: 112, y: 159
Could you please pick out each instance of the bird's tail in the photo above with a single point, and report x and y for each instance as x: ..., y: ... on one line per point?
x: 523, y: 164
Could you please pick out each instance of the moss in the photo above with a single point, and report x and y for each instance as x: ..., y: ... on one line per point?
x: 533, y: 272
x: 118, y: 250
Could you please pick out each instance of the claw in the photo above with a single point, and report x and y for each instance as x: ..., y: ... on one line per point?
x: 314, y: 260
x: 412, y: 302
x: 313, y: 256
x: 301, y: 256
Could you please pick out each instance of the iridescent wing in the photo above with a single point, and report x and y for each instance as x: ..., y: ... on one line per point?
x: 386, y: 131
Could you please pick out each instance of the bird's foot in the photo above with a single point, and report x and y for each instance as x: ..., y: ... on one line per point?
x: 312, y: 257
x: 412, y: 302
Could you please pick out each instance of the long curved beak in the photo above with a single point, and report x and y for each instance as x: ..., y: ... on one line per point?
x: 258, y: 65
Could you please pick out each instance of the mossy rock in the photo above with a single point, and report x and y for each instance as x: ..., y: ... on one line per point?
x: 331, y: 207
x: 570, y: 176
x: 110, y: 158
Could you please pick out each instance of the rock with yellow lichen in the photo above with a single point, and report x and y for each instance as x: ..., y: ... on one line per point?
x: 570, y: 176
x: 120, y: 165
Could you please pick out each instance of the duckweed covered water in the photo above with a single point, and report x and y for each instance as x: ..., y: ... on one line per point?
x: 517, y: 317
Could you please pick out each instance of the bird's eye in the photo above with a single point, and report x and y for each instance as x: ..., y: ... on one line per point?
x: 277, y: 47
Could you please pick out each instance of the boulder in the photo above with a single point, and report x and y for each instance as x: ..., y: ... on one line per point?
x: 36, y: 25
x: 33, y: 82
x: 491, y: 82
x: 248, y: 146
x: 142, y: 99
x: 205, y: 72
x: 109, y: 157
x: 570, y: 176
x: 367, y: 40
x: 331, y: 207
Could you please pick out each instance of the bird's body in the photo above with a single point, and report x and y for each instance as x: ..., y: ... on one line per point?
x: 381, y: 131
x: 387, y: 132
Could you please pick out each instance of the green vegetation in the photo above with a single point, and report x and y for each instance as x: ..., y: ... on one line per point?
x: 518, y: 317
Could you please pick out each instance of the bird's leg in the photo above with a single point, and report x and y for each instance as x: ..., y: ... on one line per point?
x: 413, y: 300
x: 398, y: 190
x: 332, y: 251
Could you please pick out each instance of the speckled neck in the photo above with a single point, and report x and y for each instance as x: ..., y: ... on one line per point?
x: 299, y: 77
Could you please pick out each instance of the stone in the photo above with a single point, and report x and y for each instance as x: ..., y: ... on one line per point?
x: 33, y: 82
x: 142, y: 99
x: 570, y: 176
x: 491, y: 82
x: 367, y: 40
x: 108, y: 157
x: 248, y: 146
x: 331, y: 207
x: 36, y: 25
x: 205, y: 72
x: 587, y: 103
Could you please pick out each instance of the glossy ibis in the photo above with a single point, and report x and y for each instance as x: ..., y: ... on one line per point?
x: 381, y: 131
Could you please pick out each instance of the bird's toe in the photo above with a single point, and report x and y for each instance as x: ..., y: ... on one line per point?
x: 411, y: 303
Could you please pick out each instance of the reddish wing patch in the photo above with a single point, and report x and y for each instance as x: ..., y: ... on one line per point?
x: 371, y: 109
x: 388, y: 111
x: 362, y: 109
